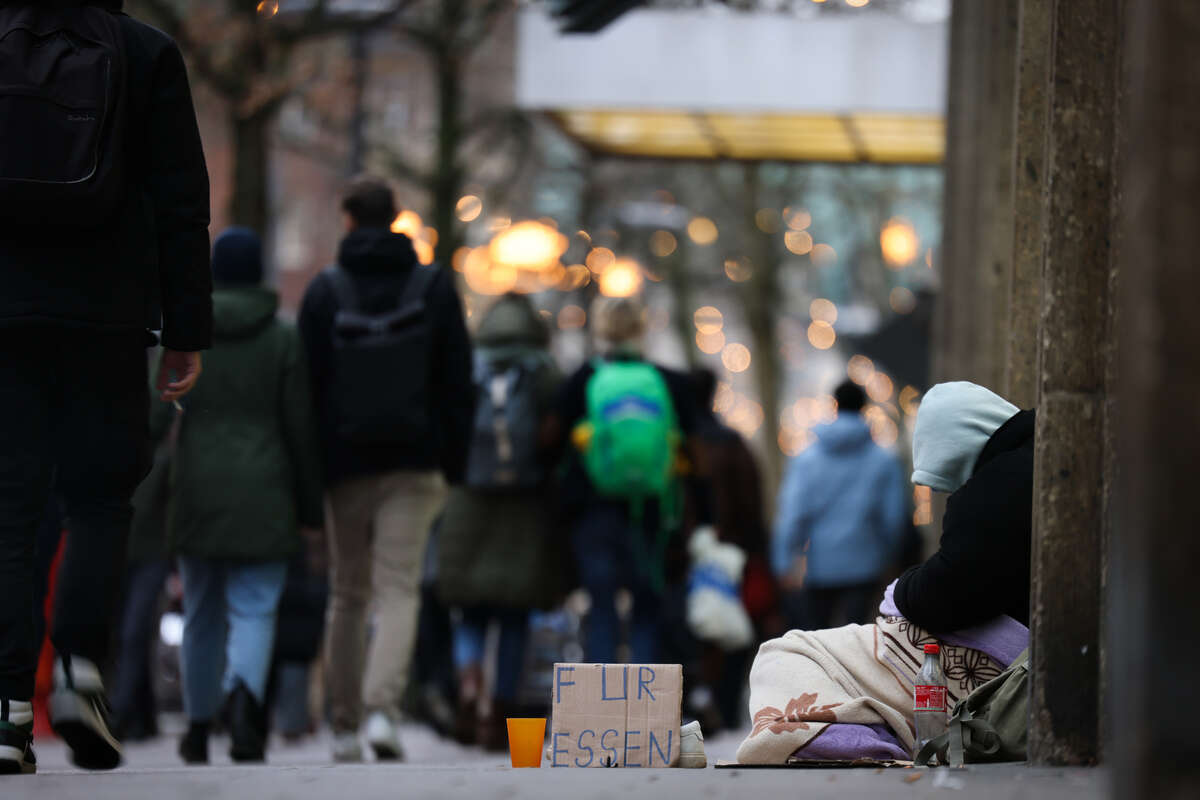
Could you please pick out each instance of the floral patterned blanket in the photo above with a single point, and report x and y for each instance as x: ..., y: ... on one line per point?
x: 806, y: 681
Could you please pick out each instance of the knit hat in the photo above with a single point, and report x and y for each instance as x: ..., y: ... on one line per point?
x: 237, y: 258
x: 618, y: 321
x: 954, y: 423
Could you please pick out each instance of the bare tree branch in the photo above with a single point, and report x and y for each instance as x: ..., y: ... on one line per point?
x: 318, y: 22
x: 226, y: 82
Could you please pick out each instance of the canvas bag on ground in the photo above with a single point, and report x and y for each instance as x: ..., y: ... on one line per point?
x: 62, y: 87
x: 990, y: 724
x: 381, y: 364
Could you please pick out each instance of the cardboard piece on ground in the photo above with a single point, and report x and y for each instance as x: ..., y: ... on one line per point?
x: 618, y: 715
x: 798, y: 763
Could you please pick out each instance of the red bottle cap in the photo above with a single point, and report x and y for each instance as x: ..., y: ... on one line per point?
x: 932, y: 648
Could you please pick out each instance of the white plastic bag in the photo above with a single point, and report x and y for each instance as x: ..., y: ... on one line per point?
x: 714, y: 603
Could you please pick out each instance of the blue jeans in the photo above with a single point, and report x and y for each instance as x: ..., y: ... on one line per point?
x: 514, y: 632
x: 229, y: 626
x: 605, y: 560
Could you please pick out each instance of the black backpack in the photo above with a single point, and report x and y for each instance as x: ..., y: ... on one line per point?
x: 504, y: 445
x: 381, y: 364
x: 62, y: 92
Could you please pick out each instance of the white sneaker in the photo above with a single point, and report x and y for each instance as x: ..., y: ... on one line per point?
x: 16, y: 738
x: 79, y: 715
x: 383, y: 739
x: 346, y: 748
x: 691, y: 747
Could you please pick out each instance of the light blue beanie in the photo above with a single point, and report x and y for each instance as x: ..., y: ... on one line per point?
x: 954, y: 423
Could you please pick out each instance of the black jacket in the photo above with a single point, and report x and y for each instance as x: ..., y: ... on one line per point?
x: 981, y: 569
x: 149, y: 266
x: 380, y: 263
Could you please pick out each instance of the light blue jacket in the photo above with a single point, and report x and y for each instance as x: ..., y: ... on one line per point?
x: 843, y: 498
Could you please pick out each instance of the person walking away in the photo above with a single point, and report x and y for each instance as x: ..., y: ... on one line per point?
x: 391, y: 371
x: 103, y: 237
x: 840, y: 522
x: 978, y: 447
x: 627, y: 520
x: 245, y: 477
x: 497, y: 560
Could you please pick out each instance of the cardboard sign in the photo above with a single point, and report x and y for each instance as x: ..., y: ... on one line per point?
x: 616, y: 715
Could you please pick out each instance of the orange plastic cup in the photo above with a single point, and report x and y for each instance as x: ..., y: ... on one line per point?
x: 526, y: 738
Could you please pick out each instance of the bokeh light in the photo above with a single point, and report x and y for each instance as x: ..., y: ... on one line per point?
x: 702, y: 230
x: 797, y: 218
x: 724, y: 398
x: 823, y: 310
x: 880, y: 388
x: 823, y: 255
x: 572, y: 318
x: 710, y: 342
x: 528, y: 245
x: 902, y: 300
x: 910, y: 400
x: 736, y: 357
x: 767, y: 220
x: 663, y: 243
x: 599, y: 259
x: 860, y: 369
x: 268, y: 8
x: 821, y: 335
x: 738, y: 270
x: 622, y: 278
x: 708, y: 319
x: 468, y: 208
x: 798, y: 242
x: 459, y: 259
x: 577, y: 277
x: 898, y: 242
x: 409, y: 223
x: 424, y: 251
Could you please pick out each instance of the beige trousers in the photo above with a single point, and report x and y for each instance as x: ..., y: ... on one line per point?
x: 380, y: 527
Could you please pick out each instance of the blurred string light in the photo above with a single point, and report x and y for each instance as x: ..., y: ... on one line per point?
x: 880, y: 388
x: 902, y: 300
x: 736, y: 357
x: 468, y: 208
x: 724, y: 397
x: 797, y: 218
x: 599, y: 259
x: 798, y: 242
x: 268, y: 8
x: 711, y: 342
x: 860, y: 369
x: 409, y: 223
x: 821, y: 335
x: 857, y: 3
x: 767, y: 220
x: 823, y: 255
x: 797, y: 420
x: 485, y: 277
x: 663, y: 243
x: 884, y: 430
x: 528, y: 245
x: 577, y: 276
x: 497, y: 224
x: 572, y: 318
x: 708, y: 319
x: 459, y: 259
x: 739, y: 269
x: 587, y: 237
x: 910, y: 400
x: 702, y: 230
x: 621, y: 278
x: 823, y: 310
x: 553, y: 277
x: 898, y: 242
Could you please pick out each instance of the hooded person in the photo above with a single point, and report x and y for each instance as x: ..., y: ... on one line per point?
x: 245, y: 477
x: 497, y: 559
x: 978, y: 447
x: 841, y: 518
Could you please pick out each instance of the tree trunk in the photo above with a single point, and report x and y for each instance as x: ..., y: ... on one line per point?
x: 250, y: 202
x: 447, y: 173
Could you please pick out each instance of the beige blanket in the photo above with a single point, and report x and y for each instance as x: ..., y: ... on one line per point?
x: 864, y: 674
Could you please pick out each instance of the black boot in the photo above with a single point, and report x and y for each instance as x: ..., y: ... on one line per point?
x: 246, y: 730
x: 193, y: 747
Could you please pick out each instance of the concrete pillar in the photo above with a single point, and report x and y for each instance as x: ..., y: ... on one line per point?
x: 1071, y: 457
x: 1155, y: 595
x: 1029, y: 200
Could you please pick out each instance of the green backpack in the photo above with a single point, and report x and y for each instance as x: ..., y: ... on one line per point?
x: 631, y: 447
x: 989, y: 724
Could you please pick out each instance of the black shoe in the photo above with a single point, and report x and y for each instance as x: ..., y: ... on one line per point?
x: 16, y: 739
x: 193, y: 747
x: 79, y: 715
x: 246, y: 728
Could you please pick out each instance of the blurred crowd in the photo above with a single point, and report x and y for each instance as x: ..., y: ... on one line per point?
x: 373, y: 514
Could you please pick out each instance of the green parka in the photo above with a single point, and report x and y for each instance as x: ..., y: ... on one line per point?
x: 245, y: 474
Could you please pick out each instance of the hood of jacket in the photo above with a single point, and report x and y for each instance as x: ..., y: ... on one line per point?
x: 847, y: 433
x: 373, y: 251
x: 954, y: 423
x: 512, y: 321
x: 241, y: 312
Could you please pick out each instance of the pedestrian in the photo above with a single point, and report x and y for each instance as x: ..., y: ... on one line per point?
x: 497, y: 559
x: 840, y: 523
x: 627, y: 536
x: 978, y: 447
x: 245, y: 476
x: 391, y: 371
x: 103, y: 237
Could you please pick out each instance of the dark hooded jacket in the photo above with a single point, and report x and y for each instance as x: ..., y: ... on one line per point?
x: 246, y: 472
x: 494, y: 547
x: 981, y: 568
x: 380, y: 263
x: 148, y: 267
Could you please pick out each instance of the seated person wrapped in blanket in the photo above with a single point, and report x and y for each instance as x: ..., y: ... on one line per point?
x: 846, y: 693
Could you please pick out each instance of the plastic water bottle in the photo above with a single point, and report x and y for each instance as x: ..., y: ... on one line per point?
x: 929, y: 698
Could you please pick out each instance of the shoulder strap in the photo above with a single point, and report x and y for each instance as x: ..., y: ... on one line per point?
x: 343, y: 287
x: 418, y: 284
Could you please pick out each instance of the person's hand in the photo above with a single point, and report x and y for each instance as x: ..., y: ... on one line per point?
x: 177, y: 374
